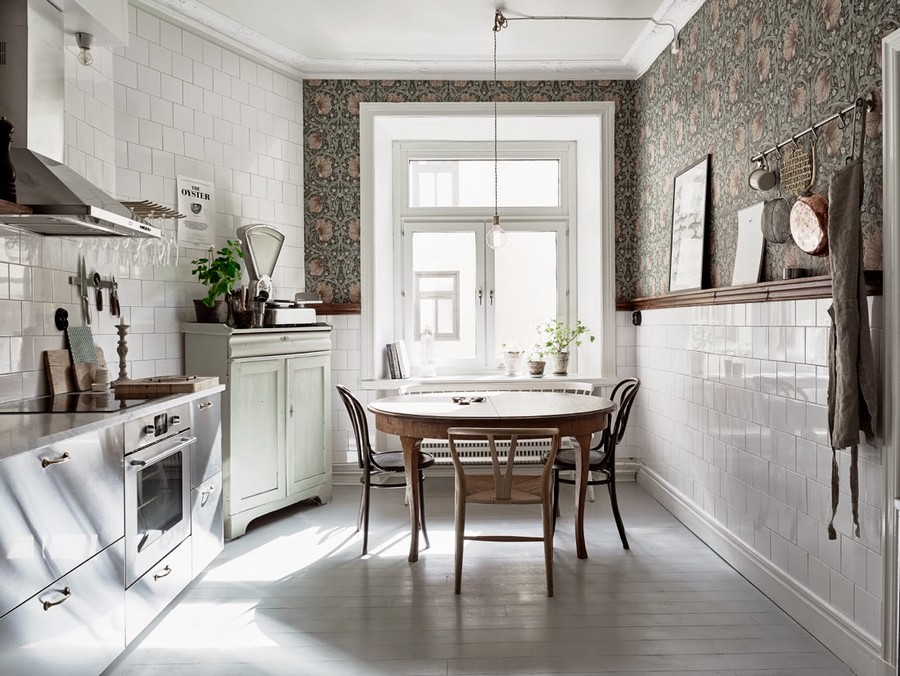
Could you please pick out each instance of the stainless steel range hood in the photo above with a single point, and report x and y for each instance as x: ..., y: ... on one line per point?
x: 32, y: 91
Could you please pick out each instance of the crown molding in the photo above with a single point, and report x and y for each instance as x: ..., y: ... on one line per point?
x: 198, y: 17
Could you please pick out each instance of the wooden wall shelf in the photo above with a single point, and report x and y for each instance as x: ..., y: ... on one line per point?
x: 787, y: 289
x: 13, y: 208
x: 338, y: 309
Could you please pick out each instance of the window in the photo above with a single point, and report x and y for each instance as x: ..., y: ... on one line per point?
x: 471, y: 297
x: 586, y: 127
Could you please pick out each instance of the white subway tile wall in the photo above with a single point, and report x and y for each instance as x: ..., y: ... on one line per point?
x: 170, y: 103
x: 732, y: 415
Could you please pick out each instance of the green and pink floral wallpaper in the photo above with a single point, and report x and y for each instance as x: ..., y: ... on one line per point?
x: 748, y: 74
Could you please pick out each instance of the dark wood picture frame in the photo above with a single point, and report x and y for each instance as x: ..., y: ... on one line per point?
x: 690, y: 199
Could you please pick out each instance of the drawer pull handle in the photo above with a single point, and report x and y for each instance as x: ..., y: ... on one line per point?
x: 165, y: 572
x: 46, y: 462
x: 66, y: 594
x: 205, y: 493
x: 205, y: 405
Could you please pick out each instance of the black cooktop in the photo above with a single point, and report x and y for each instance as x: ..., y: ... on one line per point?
x: 75, y: 402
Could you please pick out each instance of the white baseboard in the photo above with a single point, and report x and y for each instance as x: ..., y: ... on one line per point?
x: 861, y: 652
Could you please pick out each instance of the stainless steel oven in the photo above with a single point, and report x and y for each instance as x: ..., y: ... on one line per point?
x: 157, y: 488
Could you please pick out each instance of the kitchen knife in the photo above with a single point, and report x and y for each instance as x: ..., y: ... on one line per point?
x: 114, y: 298
x: 97, y: 283
x: 85, y: 305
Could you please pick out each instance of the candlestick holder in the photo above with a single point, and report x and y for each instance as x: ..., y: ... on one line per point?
x: 122, y: 350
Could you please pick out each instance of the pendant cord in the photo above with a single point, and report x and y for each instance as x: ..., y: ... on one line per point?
x: 497, y: 26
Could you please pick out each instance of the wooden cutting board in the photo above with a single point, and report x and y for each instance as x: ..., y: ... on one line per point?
x: 162, y: 386
x: 63, y: 376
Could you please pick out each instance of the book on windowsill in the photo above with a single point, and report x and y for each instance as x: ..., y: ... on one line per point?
x: 397, y: 360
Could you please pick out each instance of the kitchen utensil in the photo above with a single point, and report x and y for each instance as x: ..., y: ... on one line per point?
x: 84, y: 355
x: 809, y: 224
x: 797, y: 170
x: 163, y: 386
x: 97, y: 283
x: 83, y: 281
x: 114, y: 308
x: 762, y: 178
x: 99, y: 387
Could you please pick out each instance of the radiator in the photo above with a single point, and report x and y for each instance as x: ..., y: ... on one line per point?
x: 528, y: 452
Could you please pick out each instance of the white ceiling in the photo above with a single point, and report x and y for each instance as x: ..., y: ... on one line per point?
x: 437, y: 39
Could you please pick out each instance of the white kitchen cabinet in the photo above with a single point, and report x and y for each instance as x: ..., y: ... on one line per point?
x: 276, y: 433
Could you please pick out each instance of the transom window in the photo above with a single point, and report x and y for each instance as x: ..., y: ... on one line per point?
x: 470, y: 296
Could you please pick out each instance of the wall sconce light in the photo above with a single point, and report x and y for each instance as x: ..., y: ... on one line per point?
x: 84, y: 42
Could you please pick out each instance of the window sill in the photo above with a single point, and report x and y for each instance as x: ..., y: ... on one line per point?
x: 387, y: 384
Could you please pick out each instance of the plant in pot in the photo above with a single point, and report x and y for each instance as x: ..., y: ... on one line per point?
x: 219, y: 271
x: 558, y: 336
x: 536, y: 361
x: 512, y: 355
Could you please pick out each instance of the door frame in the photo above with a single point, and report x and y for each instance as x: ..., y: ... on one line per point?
x: 891, y: 369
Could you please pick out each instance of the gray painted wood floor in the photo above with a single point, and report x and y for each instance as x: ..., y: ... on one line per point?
x: 293, y: 596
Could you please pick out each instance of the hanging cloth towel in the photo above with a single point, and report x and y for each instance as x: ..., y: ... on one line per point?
x: 852, y: 403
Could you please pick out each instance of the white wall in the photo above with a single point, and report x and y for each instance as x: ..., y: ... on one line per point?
x: 732, y: 416
x: 170, y: 103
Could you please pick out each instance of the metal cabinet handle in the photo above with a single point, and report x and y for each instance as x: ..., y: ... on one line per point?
x: 182, y: 442
x: 66, y: 594
x: 205, y: 405
x: 491, y: 296
x: 165, y: 573
x: 480, y: 294
x: 46, y: 462
x: 205, y: 494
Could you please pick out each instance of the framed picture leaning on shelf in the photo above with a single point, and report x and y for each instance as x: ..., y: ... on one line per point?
x: 689, y: 199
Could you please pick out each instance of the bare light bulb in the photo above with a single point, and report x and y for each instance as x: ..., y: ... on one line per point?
x: 84, y: 42
x: 496, y: 236
x: 84, y: 57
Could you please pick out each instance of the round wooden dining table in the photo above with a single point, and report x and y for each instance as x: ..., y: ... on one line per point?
x: 414, y: 417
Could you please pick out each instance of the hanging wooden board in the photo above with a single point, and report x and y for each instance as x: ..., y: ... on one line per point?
x: 63, y: 376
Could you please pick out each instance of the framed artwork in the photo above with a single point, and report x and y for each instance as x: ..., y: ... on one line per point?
x: 750, y: 245
x: 689, y: 197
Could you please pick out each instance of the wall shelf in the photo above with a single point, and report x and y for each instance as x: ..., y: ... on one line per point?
x: 338, y: 309
x: 786, y: 289
x: 13, y: 208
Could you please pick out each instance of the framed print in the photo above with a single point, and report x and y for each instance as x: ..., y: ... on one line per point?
x: 689, y: 226
x: 750, y: 245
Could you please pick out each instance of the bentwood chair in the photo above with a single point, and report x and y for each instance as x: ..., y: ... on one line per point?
x: 503, y: 486
x: 602, y: 460
x: 379, y: 470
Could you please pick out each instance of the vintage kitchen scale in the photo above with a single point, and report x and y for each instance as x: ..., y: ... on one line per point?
x: 262, y: 245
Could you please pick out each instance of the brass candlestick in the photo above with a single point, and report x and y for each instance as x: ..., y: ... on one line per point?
x: 122, y: 350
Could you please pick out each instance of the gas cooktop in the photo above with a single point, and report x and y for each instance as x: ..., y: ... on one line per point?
x: 74, y: 402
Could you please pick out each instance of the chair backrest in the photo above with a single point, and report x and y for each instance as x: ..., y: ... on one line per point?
x: 515, y: 385
x: 503, y: 460
x: 360, y: 426
x: 623, y: 394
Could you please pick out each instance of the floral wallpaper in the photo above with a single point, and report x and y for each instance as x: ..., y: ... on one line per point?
x: 751, y: 74
x: 331, y: 160
x: 748, y: 75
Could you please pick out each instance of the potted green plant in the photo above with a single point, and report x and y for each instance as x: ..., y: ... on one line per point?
x: 536, y: 361
x: 558, y: 336
x: 219, y: 271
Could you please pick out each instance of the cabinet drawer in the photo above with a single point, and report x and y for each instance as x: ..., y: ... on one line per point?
x: 206, y: 426
x: 149, y: 596
x: 269, y: 344
x: 206, y: 523
x: 74, y: 626
x: 61, y: 504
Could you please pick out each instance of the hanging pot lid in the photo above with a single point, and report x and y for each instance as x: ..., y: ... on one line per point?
x: 261, y: 245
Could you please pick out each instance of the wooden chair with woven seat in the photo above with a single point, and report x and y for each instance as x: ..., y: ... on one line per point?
x: 379, y: 470
x: 602, y: 456
x: 503, y: 486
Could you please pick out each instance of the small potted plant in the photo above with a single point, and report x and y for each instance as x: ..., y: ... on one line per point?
x: 512, y: 355
x: 558, y: 336
x: 219, y: 271
x: 536, y: 361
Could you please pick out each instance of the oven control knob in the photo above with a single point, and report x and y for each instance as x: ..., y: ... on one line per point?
x: 149, y: 429
x: 175, y: 420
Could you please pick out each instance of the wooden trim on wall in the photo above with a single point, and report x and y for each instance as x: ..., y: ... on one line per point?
x: 782, y: 289
x: 338, y: 309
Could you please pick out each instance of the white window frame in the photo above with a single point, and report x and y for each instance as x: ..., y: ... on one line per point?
x: 409, y: 220
x: 589, y: 124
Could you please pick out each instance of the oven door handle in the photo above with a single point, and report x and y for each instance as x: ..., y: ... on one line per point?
x: 182, y: 443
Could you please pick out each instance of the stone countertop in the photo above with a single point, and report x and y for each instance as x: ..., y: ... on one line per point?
x: 27, y: 431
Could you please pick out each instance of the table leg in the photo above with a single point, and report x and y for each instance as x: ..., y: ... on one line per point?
x: 411, y: 466
x: 582, y: 461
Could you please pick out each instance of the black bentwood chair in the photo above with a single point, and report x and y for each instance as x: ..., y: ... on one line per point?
x: 379, y: 470
x: 602, y: 456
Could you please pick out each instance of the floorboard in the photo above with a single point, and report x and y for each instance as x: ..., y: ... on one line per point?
x: 294, y: 596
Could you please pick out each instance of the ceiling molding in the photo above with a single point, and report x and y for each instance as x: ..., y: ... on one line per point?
x: 213, y: 25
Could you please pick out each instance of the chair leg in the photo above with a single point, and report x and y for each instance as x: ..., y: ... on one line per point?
x: 555, y: 498
x: 422, y: 507
x: 362, y: 503
x: 615, y: 508
x: 548, y: 516
x: 460, y: 523
x: 590, y: 489
x: 366, y: 496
